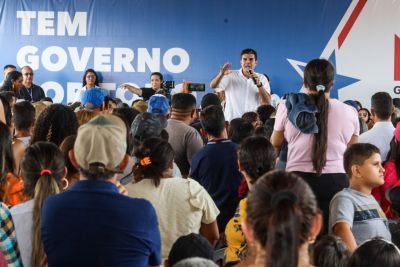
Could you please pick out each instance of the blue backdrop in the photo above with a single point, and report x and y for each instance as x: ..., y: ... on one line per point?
x: 193, y: 38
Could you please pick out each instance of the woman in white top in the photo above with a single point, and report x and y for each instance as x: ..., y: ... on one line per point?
x: 183, y: 206
x: 90, y: 81
x: 43, y: 170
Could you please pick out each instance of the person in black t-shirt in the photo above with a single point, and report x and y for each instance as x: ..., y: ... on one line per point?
x: 156, y: 80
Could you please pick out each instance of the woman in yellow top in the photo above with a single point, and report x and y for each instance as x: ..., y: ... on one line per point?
x: 256, y: 156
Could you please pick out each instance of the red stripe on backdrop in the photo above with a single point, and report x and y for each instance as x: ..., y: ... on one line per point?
x: 396, y: 58
x: 349, y: 24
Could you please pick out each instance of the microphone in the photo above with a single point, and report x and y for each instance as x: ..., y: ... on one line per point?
x: 251, y: 73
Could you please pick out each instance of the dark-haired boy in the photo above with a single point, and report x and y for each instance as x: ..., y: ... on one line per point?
x: 355, y: 215
x: 24, y: 120
x: 215, y: 166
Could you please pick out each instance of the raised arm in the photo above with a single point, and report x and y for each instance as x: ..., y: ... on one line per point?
x: 223, y: 71
x: 132, y: 89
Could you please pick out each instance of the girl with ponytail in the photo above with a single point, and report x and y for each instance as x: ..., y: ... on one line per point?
x: 282, y: 220
x: 44, y: 172
x: 318, y: 130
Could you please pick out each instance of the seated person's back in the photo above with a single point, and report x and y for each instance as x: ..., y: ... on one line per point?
x: 91, y: 224
x: 215, y: 165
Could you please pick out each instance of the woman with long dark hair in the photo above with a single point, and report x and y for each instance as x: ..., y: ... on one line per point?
x: 13, y: 82
x: 11, y: 186
x: 282, y: 221
x: 318, y: 130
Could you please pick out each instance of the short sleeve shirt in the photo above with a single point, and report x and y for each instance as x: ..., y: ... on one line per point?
x: 342, y: 125
x: 362, y: 212
x: 241, y: 94
x: 147, y: 93
x: 181, y: 206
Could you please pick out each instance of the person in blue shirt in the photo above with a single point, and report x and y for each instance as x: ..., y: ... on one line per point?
x: 92, y: 224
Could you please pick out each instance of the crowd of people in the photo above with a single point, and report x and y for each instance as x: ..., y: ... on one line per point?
x: 311, y: 181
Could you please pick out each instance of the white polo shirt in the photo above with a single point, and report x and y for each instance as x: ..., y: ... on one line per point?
x: 241, y: 94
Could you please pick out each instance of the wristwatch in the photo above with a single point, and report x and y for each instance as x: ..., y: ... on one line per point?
x: 259, y: 85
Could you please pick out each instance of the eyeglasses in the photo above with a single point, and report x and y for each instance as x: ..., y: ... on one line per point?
x: 28, y: 74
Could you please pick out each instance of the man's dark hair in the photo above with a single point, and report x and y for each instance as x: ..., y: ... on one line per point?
x: 212, y: 120
x: 382, y: 104
x: 210, y: 99
x: 264, y: 112
x: 182, y: 102
x: 97, y: 171
x: 23, y: 115
x: 249, y: 51
x: 188, y: 246
x: 396, y: 102
x: 250, y: 116
x: 256, y: 156
x: 239, y: 129
x: 9, y: 66
x: 356, y: 154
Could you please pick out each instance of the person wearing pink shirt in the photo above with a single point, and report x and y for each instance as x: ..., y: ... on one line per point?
x: 317, y: 142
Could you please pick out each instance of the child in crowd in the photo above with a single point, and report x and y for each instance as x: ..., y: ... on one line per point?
x: 189, y: 246
x: 355, y: 215
x: 256, y: 156
x: 24, y: 120
x: 375, y: 252
x: 330, y: 251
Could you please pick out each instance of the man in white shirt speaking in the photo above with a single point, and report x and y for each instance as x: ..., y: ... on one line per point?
x: 244, y: 89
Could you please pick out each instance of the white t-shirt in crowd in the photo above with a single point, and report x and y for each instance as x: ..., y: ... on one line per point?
x: 342, y: 125
x: 181, y: 206
x: 23, y: 221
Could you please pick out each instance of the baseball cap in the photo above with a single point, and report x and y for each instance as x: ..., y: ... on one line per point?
x: 101, y: 140
x: 92, y: 98
x: 158, y: 104
x: 146, y: 125
x: 189, y: 246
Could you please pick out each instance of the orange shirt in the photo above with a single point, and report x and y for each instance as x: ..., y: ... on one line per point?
x: 12, y: 191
